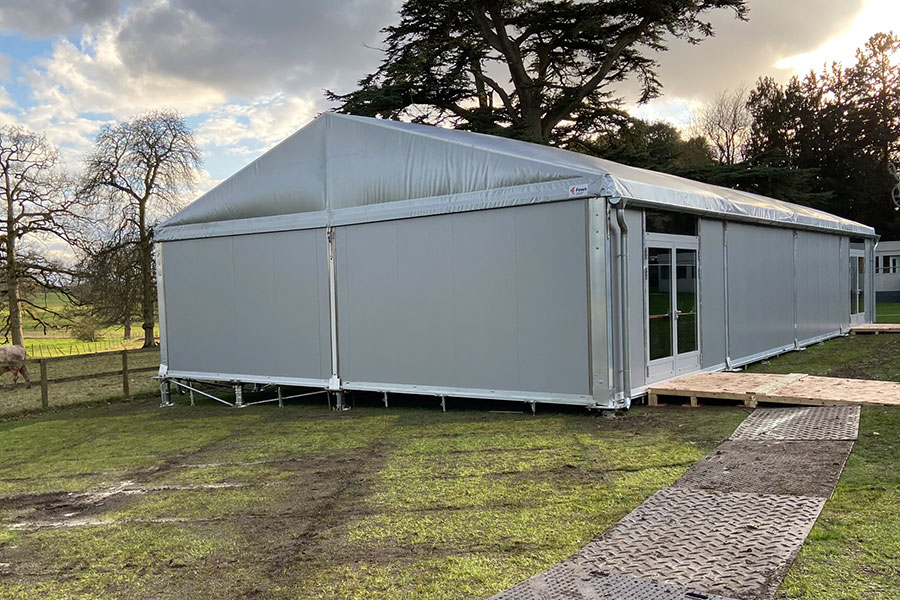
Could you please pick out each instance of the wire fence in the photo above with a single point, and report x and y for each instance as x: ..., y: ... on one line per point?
x: 46, y: 348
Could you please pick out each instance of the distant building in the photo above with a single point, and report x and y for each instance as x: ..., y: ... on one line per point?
x: 887, y: 272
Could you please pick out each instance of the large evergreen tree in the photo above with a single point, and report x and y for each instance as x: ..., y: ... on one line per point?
x: 835, y: 132
x: 537, y: 70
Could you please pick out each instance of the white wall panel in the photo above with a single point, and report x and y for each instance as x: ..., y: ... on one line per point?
x: 491, y: 300
x: 760, y: 289
x: 251, y: 305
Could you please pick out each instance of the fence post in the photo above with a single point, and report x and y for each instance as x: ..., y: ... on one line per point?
x: 126, y: 390
x: 45, y: 400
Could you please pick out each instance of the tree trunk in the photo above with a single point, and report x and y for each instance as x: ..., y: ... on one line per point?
x: 147, y: 298
x: 12, y: 279
x: 129, y: 310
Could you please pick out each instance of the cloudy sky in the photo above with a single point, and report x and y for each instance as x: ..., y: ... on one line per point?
x: 246, y: 74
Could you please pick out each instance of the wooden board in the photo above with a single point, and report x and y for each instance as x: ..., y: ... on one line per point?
x: 792, y: 388
x: 875, y: 328
x: 836, y: 391
x: 741, y: 387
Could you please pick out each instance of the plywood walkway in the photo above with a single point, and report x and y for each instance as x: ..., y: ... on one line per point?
x: 793, y: 388
x: 875, y: 328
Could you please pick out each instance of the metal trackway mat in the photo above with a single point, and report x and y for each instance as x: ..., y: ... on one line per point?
x: 573, y: 580
x: 770, y: 467
x: 733, y: 544
x: 813, y: 423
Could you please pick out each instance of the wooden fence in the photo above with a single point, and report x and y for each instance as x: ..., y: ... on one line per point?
x: 45, y: 381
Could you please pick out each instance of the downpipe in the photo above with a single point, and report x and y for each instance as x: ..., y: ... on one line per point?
x: 622, y: 259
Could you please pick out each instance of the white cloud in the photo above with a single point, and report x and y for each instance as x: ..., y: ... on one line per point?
x: 205, y: 182
x: 744, y: 51
x: 83, y: 85
x: 8, y: 109
x: 264, y: 121
x: 5, y: 63
x: 248, y: 49
x: 876, y: 16
x: 671, y: 109
x: 47, y: 18
x: 90, y: 77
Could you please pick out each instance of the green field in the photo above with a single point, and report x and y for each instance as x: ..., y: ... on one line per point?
x: 887, y: 312
x: 371, y: 503
x: 127, y: 500
x: 57, y: 340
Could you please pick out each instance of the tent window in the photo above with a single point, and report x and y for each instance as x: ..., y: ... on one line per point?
x: 660, y: 221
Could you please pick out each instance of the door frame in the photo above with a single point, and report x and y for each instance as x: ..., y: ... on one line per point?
x: 855, y: 255
x: 677, y: 364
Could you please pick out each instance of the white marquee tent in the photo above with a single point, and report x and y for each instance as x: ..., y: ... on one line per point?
x: 363, y: 254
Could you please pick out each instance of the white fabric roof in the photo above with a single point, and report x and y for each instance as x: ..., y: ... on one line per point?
x: 342, y: 169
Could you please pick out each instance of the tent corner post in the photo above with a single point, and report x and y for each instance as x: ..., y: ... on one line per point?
x: 618, y: 204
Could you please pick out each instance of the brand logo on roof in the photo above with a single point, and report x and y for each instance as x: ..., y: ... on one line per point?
x: 578, y: 190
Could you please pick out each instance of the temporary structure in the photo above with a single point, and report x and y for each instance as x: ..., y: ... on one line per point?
x: 364, y: 254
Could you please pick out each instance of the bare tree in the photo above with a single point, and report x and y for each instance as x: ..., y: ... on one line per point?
x: 36, y: 207
x: 142, y: 169
x: 109, y: 281
x: 725, y: 124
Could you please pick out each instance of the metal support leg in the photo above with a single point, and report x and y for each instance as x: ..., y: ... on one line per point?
x: 192, y: 393
x: 533, y: 408
x: 164, y: 394
x: 338, y: 400
x: 444, y: 403
x: 385, y: 399
x: 239, y: 396
x: 280, y: 398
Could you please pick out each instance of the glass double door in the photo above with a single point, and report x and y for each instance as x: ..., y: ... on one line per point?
x: 672, y: 304
x: 857, y: 287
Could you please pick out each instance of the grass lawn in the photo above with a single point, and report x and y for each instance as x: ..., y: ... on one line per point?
x: 371, y: 503
x: 887, y: 312
x: 853, y: 552
x: 406, y: 502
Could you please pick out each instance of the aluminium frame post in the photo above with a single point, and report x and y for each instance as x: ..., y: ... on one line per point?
x: 622, y: 256
x: 728, y: 363
x: 334, y: 383
x: 239, y: 395
x: 280, y: 398
x: 794, y: 293
x: 599, y: 284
